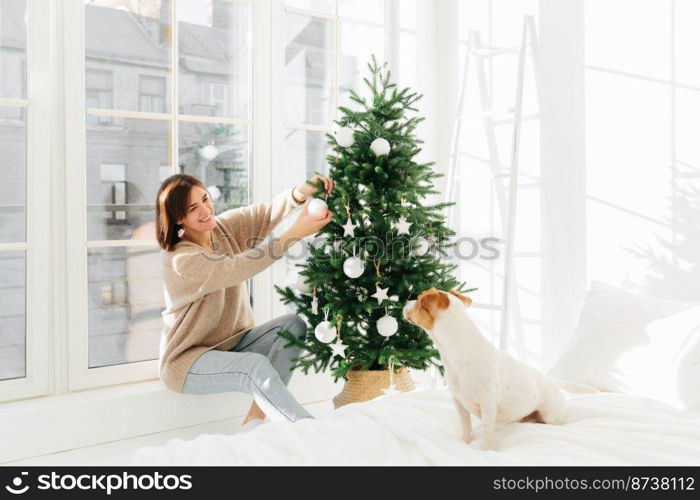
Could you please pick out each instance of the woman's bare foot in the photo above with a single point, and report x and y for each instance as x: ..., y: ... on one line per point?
x: 254, y: 413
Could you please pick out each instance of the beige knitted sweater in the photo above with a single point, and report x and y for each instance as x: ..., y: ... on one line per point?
x: 206, y: 298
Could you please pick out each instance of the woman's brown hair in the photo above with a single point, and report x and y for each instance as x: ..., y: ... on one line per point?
x: 171, y: 206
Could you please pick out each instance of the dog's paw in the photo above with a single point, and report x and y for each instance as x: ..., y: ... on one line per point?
x: 467, y: 437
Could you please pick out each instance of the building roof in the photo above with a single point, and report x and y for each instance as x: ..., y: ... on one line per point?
x: 119, y: 35
x: 12, y: 30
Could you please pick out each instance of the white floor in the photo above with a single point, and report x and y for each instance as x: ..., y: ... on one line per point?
x: 119, y: 453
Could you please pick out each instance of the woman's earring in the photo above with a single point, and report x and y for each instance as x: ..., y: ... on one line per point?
x: 181, y: 232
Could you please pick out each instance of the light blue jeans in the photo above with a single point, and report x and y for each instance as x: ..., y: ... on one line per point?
x: 259, y: 365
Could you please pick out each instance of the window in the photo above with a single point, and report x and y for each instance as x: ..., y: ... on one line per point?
x: 134, y: 53
x: 152, y: 88
x: 152, y: 94
x: 98, y: 94
x: 113, y: 177
x: 328, y: 44
x: 499, y: 23
x: 327, y: 47
x: 214, y: 97
x: 24, y: 201
x: 165, y: 171
x: 407, y: 43
x: 13, y: 189
x: 642, y: 112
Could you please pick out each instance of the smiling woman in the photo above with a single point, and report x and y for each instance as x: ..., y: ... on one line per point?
x: 209, y: 343
x: 185, y: 211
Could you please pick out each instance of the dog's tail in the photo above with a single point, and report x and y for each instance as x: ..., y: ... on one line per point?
x: 575, y: 387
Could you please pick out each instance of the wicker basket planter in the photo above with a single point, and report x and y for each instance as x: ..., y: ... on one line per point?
x: 363, y: 385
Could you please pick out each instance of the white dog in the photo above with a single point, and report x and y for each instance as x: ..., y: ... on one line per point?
x: 484, y: 381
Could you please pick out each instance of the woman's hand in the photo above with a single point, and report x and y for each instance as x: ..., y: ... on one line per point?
x: 308, y: 189
x: 307, y: 224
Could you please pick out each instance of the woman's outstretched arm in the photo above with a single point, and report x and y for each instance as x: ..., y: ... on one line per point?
x: 251, y: 224
x: 191, y: 273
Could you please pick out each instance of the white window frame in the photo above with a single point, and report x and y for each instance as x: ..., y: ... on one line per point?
x: 38, y: 207
x: 81, y: 377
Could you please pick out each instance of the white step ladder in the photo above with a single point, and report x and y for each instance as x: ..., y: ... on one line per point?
x: 498, y: 172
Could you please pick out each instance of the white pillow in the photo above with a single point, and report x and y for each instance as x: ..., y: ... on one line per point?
x: 637, y: 344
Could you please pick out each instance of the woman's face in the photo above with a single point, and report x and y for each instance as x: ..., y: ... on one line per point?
x: 200, y: 211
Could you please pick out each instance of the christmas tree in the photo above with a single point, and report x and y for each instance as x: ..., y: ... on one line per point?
x: 383, y: 246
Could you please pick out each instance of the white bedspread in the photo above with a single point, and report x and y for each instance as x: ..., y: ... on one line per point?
x: 422, y: 427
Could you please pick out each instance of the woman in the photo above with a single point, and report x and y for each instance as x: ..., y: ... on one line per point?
x: 209, y: 343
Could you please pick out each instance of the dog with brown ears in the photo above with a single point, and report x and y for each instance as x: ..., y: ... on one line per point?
x: 484, y: 381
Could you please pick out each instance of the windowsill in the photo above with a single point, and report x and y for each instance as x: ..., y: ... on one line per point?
x: 78, y: 397
x: 52, y: 424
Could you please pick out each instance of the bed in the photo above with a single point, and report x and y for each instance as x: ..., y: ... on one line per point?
x: 422, y: 428
x: 642, y: 352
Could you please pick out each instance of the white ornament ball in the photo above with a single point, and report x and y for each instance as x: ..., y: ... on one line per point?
x: 214, y: 192
x: 394, y: 298
x: 345, y: 137
x: 324, y: 332
x: 209, y: 152
x: 353, y: 267
x: 303, y: 285
x: 316, y: 206
x: 380, y: 147
x: 421, y: 247
x: 387, y: 326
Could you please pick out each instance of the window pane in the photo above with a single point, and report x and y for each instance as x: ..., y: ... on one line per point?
x: 13, y: 165
x: 476, y: 15
x: 687, y: 41
x: 322, y: 6
x: 152, y: 94
x: 309, y: 70
x: 124, y: 163
x: 407, y: 14
x: 122, y: 41
x: 645, y: 49
x: 125, y: 300
x: 12, y: 315
x: 366, y: 10
x: 215, y: 49
x: 357, y: 44
x: 305, y: 153
x: 13, y: 36
x: 218, y: 155
x: 407, y: 60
